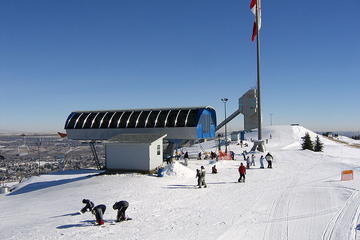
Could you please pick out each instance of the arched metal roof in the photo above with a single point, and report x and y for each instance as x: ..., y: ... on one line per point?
x: 137, y: 118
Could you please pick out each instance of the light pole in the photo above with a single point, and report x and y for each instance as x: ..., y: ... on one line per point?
x: 38, y: 146
x: 224, y: 100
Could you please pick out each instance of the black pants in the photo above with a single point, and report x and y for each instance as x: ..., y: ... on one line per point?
x: 269, y: 164
x: 241, y: 176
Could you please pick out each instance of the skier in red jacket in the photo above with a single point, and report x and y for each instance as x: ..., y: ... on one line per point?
x: 242, y: 171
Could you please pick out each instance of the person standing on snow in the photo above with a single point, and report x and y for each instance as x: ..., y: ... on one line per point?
x: 269, y: 159
x: 186, y: 158
x: 121, y: 207
x: 202, y: 177
x: 248, y: 162
x: 252, y: 160
x: 198, y: 177
x: 99, y: 211
x: 242, y: 171
x: 262, y: 161
x: 88, y: 207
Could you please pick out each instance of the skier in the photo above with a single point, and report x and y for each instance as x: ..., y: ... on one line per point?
x: 202, y: 177
x: 269, y: 159
x: 252, y: 160
x: 262, y: 161
x: 99, y: 211
x: 186, y: 158
x: 88, y: 207
x: 214, y: 170
x: 248, y: 162
x: 121, y: 208
x: 242, y: 171
x: 199, y: 156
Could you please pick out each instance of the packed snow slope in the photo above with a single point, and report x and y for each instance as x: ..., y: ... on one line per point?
x: 302, y: 197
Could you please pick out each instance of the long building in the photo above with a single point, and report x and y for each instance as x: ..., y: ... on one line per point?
x: 188, y: 123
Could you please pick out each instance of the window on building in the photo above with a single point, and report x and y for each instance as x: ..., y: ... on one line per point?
x: 158, y: 150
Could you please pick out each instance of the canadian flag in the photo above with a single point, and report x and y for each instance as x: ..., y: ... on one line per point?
x: 253, y: 9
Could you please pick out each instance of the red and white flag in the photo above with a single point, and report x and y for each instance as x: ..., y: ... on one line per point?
x: 253, y: 9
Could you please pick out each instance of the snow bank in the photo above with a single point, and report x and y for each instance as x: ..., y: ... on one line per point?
x: 177, y: 169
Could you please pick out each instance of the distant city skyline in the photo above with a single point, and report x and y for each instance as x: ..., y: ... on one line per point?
x: 60, y: 56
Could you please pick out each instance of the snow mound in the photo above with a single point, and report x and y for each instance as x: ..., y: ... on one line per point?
x: 177, y: 169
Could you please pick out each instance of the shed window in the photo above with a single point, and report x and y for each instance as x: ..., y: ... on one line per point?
x: 158, y: 150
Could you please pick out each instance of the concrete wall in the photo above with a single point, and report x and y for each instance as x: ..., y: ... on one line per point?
x: 127, y: 156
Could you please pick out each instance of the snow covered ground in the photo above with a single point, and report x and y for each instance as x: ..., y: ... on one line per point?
x: 302, y: 197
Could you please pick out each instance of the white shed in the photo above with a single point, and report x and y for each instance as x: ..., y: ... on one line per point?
x: 134, y: 152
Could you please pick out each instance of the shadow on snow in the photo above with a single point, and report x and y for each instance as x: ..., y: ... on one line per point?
x: 68, y: 214
x: 42, y: 185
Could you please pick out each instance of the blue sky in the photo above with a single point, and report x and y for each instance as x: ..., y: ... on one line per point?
x: 61, y: 56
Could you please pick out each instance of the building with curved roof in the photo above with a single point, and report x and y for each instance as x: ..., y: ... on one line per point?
x: 177, y: 123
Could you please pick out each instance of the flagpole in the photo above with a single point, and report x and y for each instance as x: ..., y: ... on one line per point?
x: 258, y: 71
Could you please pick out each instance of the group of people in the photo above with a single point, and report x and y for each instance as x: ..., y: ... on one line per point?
x: 99, y: 210
x: 212, y: 156
x: 268, y: 158
x: 242, y: 169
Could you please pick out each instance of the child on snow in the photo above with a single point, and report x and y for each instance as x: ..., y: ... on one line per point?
x: 99, y: 211
x: 214, y: 170
x: 88, y: 207
x: 121, y: 207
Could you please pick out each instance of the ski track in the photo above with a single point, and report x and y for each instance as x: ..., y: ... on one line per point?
x: 346, y: 218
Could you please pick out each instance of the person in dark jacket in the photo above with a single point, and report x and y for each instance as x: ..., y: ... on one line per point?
x: 88, y: 207
x: 232, y: 155
x: 99, y: 211
x: 121, y: 207
x: 198, y: 177
x: 242, y: 171
x: 214, y: 169
x: 186, y: 158
x: 269, y: 159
